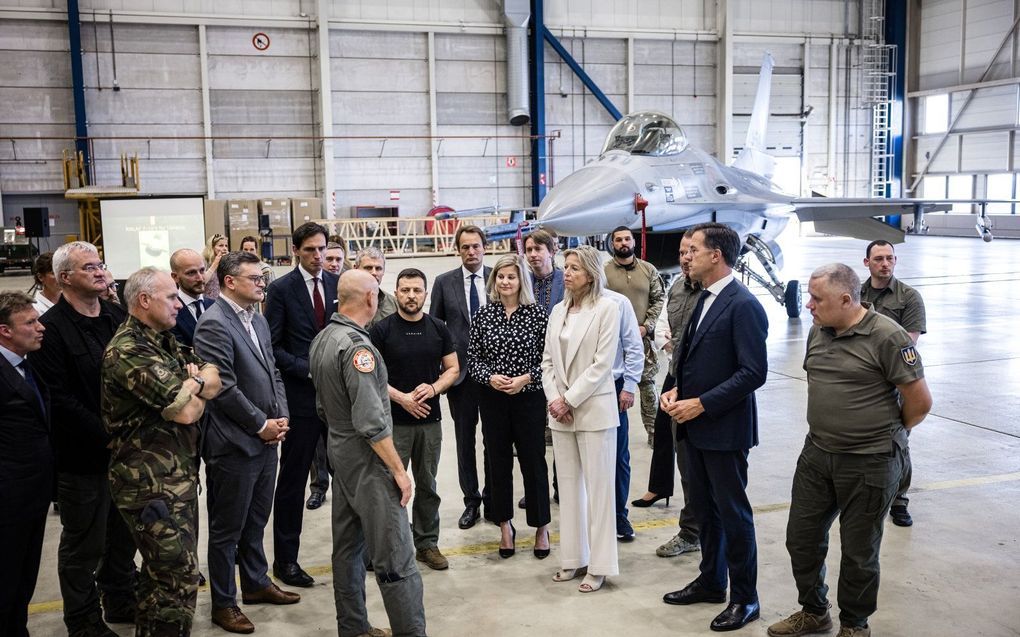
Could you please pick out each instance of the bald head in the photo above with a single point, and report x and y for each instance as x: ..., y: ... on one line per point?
x: 187, y: 268
x: 357, y: 296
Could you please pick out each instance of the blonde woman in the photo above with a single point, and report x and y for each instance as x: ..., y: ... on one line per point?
x: 577, y: 376
x: 214, y: 249
x: 504, y: 357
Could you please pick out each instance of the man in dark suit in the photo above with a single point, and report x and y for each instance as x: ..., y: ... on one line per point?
x: 26, y: 460
x: 95, y: 559
x: 722, y: 362
x: 246, y: 421
x: 297, y: 308
x: 187, y: 268
x: 457, y: 295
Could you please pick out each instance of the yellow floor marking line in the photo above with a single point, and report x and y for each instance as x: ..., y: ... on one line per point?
x: 483, y: 548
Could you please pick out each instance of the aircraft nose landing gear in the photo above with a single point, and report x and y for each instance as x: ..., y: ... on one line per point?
x: 789, y: 295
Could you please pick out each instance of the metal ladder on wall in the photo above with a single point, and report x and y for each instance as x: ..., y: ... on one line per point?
x: 877, y: 73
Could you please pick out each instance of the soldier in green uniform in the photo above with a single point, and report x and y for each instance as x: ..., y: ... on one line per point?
x: 153, y: 395
x: 639, y: 281
x: 370, y: 486
x: 866, y: 388
x: 903, y: 304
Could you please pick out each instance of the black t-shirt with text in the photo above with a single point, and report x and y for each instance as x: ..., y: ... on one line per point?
x: 413, y: 353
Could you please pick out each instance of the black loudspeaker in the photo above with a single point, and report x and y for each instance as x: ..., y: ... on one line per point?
x: 37, y: 222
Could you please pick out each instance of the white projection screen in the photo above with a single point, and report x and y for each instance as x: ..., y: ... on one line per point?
x: 143, y: 232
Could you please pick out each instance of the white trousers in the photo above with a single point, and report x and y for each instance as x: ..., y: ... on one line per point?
x: 586, y: 469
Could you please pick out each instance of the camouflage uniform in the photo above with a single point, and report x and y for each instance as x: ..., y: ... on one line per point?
x: 154, y: 470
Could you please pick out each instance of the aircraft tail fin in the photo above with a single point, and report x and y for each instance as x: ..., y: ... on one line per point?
x: 753, y: 156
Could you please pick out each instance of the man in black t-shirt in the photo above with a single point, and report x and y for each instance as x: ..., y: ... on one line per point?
x: 421, y: 363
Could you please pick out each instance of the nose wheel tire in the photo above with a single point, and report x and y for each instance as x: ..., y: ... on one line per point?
x: 792, y: 299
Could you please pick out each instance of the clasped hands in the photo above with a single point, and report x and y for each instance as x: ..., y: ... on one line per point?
x: 275, y: 431
x: 509, y: 384
x: 560, y: 411
x: 680, y: 410
x: 414, y: 402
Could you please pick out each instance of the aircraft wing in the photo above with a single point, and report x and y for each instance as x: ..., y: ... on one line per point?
x: 855, y: 218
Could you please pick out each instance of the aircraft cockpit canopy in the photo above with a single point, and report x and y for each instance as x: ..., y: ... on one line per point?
x: 646, y: 133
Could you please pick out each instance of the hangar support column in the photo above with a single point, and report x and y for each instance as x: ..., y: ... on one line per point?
x: 326, y: 112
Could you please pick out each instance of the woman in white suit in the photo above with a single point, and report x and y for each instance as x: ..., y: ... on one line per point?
x: 580, y: 346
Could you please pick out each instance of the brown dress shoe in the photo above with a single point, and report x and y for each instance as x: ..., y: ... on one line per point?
x: 232, y: 620
x: 272, y: 594
x: 377, y: 632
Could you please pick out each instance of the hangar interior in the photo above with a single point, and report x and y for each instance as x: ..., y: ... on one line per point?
x: 403, y: 104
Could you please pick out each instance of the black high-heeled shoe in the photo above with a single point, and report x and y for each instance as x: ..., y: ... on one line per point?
x: 542, y: 553
x: 641, y: 503
x: 505, y: 553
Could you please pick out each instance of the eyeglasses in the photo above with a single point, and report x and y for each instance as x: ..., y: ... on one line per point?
x: 112, y: 286
x: 91, y: 268
x: 255, y: 278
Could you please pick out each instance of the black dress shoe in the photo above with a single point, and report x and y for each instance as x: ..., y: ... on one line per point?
x: 292, y: 575
x: 315, y: 500
x: 735, y: 616
x: 694, y: 593
x: 469, y: 517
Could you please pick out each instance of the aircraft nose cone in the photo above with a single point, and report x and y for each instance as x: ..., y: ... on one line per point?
x: 592, y: 200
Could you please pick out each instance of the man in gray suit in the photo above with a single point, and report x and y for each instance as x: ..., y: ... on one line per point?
x: 246, y: 422
x: 456, y: 297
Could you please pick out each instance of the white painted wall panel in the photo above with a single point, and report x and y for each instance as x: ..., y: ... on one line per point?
x: 134, y: 70
x: 391, y: 147
x: 248, y: 8
x: 990, y: 107
x: 43, y: 105
x: 265, y: 176
x: 630, y: 14
x: 34, y: 69
x: 378, y: 45
x: 238, y: 41
x: 402, y: 11
x: 361, y: 74
x: 253, y: 73
x: 987, y: 24
x: 382, y: 173
x: 939, y: 59
x: 945, y: 161
x: 137, y: 38
x: 30, y: 35
x: 459, y: 76
x: 375, y: 108
x: 985, y: 152
x: 259, y: 108
x: 794, y: 16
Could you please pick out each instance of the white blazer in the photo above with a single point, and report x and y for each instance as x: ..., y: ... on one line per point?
x: 583, y: 372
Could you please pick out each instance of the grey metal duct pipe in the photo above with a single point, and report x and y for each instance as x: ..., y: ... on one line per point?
x: 516, y: 14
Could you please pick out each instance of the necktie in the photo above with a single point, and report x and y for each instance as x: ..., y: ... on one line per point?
x: 692, y: 323
x: 30, y: 379
x: 473, y: 301
x: 198, y: 308
x: 318, y: 307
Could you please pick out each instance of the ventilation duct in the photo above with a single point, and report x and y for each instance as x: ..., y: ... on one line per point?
x: 516, y: 14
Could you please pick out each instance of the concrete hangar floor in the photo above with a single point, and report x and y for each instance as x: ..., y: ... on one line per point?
x: 953, y: 573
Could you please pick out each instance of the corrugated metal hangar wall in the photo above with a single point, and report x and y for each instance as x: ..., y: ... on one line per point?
x: 417, y: 92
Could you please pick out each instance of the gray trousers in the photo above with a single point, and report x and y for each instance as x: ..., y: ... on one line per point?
x: 420, y: 446
x: 96, y: 551
x: 368, y: 518
x: 239, y: 494
x: 858, y: 488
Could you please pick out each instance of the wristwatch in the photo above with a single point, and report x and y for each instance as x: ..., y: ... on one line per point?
x: 201, y: 384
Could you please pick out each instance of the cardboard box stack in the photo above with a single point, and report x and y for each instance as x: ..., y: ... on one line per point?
x: 277, y: 220
x: 242, y: 220
x: 305, y: 210
x: 215, y: 218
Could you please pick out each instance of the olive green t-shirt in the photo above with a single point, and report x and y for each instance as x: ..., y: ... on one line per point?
x: 898, y: 301
x: 853, y: 403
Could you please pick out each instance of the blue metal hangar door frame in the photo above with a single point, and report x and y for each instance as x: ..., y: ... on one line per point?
x: 538, y: 37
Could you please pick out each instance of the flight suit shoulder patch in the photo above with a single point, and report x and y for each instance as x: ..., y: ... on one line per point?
x: 364, y: 361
